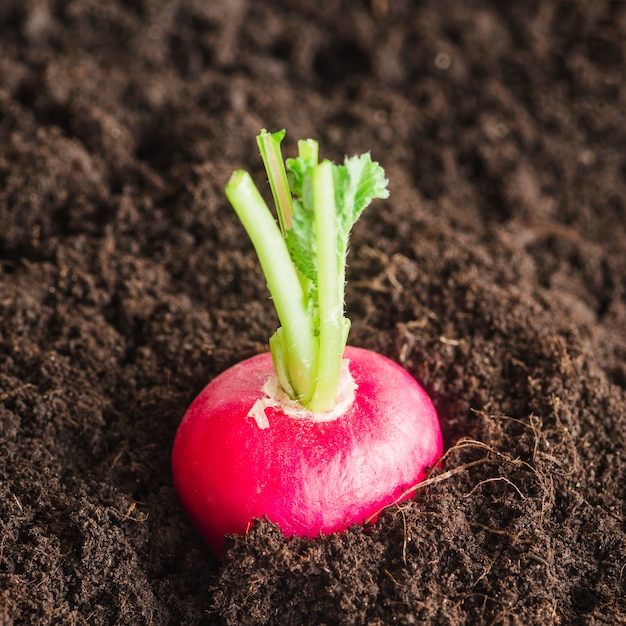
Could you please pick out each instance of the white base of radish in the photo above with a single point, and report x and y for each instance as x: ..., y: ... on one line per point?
x: 276, y: 398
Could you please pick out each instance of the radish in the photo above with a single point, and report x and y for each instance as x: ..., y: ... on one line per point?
x: 313, y: 435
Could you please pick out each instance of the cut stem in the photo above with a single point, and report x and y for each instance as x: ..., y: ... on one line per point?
x: 330, y: 280
x: 269, y: 145
x: 299, y: 345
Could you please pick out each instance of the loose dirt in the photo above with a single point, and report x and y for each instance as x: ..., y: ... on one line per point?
x: 495, y: 273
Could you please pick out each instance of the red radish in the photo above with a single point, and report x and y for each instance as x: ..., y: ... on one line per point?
x: 315, y: 436
x: 309, y: 477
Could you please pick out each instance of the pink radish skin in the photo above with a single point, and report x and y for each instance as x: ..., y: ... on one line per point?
x: 308, y: 477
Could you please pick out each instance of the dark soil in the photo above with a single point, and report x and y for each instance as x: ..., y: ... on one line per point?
x: 495, y: 273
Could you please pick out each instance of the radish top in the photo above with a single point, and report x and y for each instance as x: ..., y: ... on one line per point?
x: 304, y: 257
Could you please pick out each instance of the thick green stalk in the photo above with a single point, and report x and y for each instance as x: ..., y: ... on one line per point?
x: 297, y: 337
x: 330, y: 284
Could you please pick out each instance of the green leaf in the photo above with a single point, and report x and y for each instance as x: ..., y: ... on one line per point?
x: 301, y: 236
x: 357, y: 182
x: 301, y: 241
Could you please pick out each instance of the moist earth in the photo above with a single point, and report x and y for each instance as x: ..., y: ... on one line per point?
x: 495, y: 273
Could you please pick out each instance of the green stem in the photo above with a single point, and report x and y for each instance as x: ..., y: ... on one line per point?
x: 331, y: 278
x: 308, y: 150
x: 269, y: 145
x: 282, y: 281
x: 279, y: 360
